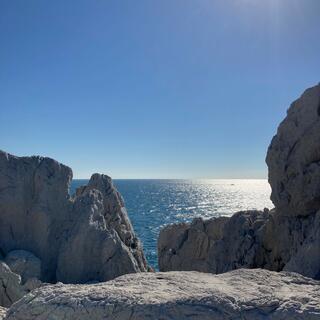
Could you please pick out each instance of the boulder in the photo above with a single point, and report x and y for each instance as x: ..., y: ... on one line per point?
x: 11, y: 287
x: 38, y: 215
x: 186, y: 246
x: 24, y: 263
x: 246, y: 294
x: 293, y: 158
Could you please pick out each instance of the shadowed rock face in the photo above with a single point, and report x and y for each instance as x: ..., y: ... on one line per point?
x: 285, y: 238
x: 11, y: 286
x: 88, y: 238
x: 246, y: 294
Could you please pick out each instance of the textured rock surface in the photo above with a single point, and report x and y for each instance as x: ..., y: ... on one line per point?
x: 33, y: 204
x: 250, y: 239
x: 11, y: 287
x: 24, y: 263
x: 293, y: 244
x: 93, y: 252
x: 294, y: 157
x: 116, y: 216
x: 241, y: 294
x: 89, y: 234
x: 215, y: 245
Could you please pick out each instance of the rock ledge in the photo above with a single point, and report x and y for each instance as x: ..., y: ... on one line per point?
x: 246, y: 294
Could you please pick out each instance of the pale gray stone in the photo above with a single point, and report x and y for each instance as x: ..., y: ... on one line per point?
x: 34, y: 207
x: 93, y: 252
x: 250, y: 239
x: 85, y: 238
x: 246, y: 294
x: 24, y: 263
x: 116, y: 216
x: 11, y: 287
x: 215, y: 245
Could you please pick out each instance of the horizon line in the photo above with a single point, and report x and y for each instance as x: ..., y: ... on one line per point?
x: 266, y: 178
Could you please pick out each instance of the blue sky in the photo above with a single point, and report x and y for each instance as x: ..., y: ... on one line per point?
x: 153, y: 89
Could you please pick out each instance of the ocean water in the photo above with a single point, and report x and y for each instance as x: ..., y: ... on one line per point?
x: 152, y: 204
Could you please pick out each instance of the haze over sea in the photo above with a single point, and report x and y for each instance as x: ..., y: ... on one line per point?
x: 152, y: 204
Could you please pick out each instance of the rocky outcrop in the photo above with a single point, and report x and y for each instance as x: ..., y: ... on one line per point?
x: 93, y: 252
x: 216, y: 245
x: 293, y: 158
x: 285, y: 238
x: 116, y: 216
x: 34, y: 207
x: 246, y: 294
x: 293, y: 244
x: 250, y: 239
x: 85, y: 238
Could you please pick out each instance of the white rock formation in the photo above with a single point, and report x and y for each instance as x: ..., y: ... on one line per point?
x: 86, y: 238
x: 241, y: 294
x: 34, y: 207
x: 93, y: 252
x: 116, y: 216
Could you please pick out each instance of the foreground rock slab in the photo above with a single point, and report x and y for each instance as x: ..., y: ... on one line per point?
x: 239, y: 294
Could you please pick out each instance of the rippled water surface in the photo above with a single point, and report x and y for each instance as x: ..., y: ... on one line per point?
x: 152, y: 204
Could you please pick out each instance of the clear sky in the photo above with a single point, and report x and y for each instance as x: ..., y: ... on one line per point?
x: 153, y: 89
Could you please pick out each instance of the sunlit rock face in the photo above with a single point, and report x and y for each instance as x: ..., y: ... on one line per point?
x: 35, y: 209
x: 246, y: 294
x: 86, y: 238
x: 216, y: 245
x: 293, y: 158
x: 285, y: 238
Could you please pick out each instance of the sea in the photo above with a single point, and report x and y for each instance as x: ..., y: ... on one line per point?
x: 153, y: 204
